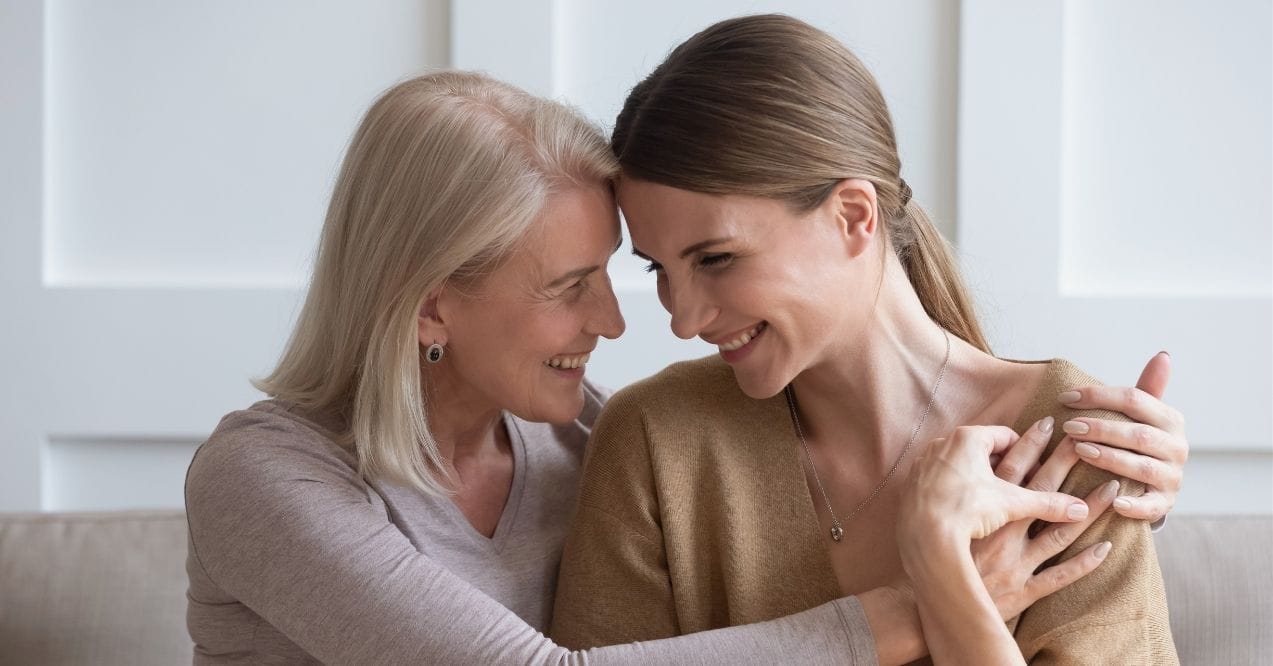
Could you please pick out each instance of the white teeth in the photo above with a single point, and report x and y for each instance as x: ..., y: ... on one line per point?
x: 568, y: 362
x: 742, y: 339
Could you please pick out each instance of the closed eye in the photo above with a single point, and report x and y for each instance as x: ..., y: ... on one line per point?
x: 715, y: 260
x: 653, y: 266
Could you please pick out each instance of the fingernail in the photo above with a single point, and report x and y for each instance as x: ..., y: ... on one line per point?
x: 1165, y: 353
x: 1086, y: 450
x: 1069, y: 396
x: 1077, y: 511
x: 1045, y: 426
x: 1122, y: 503
x: 1102, y: 549
x: 1109, y: 490
x: 1075, y: 427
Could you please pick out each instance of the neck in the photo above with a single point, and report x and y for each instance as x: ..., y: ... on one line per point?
x: 868, y: 393
x: 464, y: 423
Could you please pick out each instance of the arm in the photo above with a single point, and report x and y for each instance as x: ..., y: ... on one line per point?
x: 614, y: 584
x: 288, y: 530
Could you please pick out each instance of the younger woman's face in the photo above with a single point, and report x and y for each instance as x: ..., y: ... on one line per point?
x: 774, y: 290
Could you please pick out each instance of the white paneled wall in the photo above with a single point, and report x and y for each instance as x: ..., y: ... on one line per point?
x: 1114, y: 200
x: 164, y: 169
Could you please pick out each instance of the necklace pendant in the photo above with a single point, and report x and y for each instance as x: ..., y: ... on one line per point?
x: 837, y: 533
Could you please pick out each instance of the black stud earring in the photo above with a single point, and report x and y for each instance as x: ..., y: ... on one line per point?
x: 434, y: 353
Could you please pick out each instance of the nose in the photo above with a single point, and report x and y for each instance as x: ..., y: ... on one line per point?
x: 607, y: 321
x: 690, y: 312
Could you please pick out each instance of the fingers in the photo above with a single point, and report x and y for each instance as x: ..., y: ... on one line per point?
x: 1154, y: 473
x: 1135, y: 403
x: 1023, y: 456
x: 1153, y: 379
x: 1052, y: 507
x: 993, y: 439
x: 1060, y: 575
x: 1137, y: 437
x: 1151, y: 506
x: 1055, y: 538
x: 1058, y: 465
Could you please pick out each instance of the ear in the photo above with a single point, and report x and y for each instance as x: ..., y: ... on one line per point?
x: 430, y: 324
x: 853, y: 202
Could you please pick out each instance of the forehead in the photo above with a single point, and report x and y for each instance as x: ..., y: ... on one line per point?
x: 663, y: 215
x: 578, y: 226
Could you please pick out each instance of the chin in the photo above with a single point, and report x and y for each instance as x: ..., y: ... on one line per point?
x: 757, y: 386
x: 559, y: 409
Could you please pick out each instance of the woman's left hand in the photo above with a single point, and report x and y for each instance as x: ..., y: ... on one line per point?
x: 1152, y: 451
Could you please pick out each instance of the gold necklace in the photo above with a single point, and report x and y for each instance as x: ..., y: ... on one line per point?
x: 837, y: 529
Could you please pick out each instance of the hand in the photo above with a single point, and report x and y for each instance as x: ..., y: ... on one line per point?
x: 1009, y: 558
x: 952, y: 490
x: 954, y: 498
x: 1152, y: 451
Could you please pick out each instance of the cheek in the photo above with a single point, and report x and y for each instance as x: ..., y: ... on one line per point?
x: 551, y: 332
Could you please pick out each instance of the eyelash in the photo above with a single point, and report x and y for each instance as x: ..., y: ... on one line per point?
x: 717, y: 260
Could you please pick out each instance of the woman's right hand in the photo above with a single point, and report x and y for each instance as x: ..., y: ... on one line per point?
x: 966, y: 543
x: 1009, y: 558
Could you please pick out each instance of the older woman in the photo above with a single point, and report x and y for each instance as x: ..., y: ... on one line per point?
x: 404, y: 493
x: 761, y: 180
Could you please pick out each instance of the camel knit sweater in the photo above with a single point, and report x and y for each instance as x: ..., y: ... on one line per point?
x: 694, y: 513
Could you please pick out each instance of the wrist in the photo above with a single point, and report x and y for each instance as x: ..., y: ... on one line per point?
x: 935, y: 556
x: 960, y: 620
x: 894, y: 620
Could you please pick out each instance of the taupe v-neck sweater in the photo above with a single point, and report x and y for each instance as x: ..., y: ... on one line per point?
x: 694, y: 513
x: 294, y: 558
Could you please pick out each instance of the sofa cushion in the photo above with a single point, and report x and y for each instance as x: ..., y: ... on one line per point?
x: 109, y: 588
x: 1219, y: 576
x: 93, y: 588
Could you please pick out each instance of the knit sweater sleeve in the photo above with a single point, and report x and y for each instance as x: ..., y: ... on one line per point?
x: 615, y: 587
x: 1117, y: 613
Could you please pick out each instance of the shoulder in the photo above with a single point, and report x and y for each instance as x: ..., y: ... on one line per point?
x: 1060, y: 376
x: 619, y: 450
x: 699, y: 385
x: 268, y: 442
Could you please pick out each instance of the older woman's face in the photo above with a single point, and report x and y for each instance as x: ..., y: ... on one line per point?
x: 775, y: 291
x: 519, y: 340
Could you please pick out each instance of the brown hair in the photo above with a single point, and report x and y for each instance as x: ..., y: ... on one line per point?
x: 445, y: 176
x: 770, y: 106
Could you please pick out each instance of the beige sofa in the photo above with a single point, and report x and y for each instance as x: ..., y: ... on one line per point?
x: 110, y: 588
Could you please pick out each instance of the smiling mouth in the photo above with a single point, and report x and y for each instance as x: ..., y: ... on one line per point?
x: 568, y: 362
x: 743, y: 338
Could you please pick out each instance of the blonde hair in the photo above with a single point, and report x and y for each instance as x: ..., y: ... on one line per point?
x: 771, y: 106
x: 445, y: 175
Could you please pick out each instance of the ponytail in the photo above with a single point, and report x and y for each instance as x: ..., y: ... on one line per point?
x: 930, y: 266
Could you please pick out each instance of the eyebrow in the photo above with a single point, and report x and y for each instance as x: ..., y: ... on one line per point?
x: 573, y: 275
x: 582, y: 272
x: 701, y: 245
